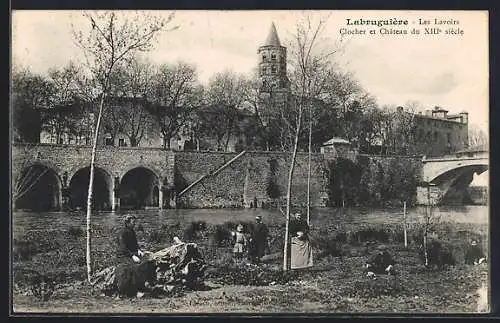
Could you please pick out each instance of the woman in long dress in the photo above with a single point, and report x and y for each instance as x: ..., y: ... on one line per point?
x: 301, y: 249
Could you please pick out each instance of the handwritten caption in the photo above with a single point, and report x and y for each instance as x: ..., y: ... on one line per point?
x: 394, y: 26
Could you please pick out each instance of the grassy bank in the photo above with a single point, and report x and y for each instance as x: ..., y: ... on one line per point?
x: 335, y: 284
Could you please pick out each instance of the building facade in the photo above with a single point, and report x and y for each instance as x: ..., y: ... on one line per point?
x: 438, y: 133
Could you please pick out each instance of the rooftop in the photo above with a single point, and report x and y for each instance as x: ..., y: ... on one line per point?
x: 336, y: 140
x: 272, y: 37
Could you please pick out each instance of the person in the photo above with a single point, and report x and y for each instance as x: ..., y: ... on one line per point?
x: 474, y: 255
x: 258, y: 240
x: 128, y: 248
x: 300, y: 247
x: 381, y: 262
x: 240, y: 242
x: 134, y: 274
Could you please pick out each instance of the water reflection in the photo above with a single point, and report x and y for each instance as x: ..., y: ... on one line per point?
x: 23, y: 221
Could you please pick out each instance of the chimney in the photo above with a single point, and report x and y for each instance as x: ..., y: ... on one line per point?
x: 465, y: 116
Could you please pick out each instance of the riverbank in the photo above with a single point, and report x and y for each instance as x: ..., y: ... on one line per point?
x: 335, y: 284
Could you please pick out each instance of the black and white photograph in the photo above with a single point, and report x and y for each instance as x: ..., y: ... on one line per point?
x: 249, y: 161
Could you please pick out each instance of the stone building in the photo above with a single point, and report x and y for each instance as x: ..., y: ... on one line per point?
x: 439, y: 133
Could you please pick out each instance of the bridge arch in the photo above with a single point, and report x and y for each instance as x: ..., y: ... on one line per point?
x: 73, y: 170
x: 78, y: 184
x: 478, y: 166
x: 130, y: 167
x: 139, y: 188
x: 37, y: 187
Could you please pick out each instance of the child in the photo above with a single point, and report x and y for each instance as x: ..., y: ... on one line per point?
x: 240, y: 242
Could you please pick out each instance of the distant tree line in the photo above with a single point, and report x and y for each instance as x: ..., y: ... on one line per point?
x: 167, y: 100
x: 372, y: 181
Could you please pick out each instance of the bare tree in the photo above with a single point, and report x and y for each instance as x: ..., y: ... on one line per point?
x: 308, y: 82
x: 127, y: 110
x: 431, y: 220
x: 29, y: 92
x: 112, y: 39
x: 477, y: 138
x: 174, y: 96
x: 66, y: 108
x: 226, y: 92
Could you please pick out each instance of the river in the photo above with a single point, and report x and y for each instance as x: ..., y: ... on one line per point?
x: 26, y: 221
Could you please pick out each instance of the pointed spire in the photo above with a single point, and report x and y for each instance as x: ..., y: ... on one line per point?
x: 272, y: 38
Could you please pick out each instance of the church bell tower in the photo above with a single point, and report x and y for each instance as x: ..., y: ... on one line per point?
x: 272, y: 64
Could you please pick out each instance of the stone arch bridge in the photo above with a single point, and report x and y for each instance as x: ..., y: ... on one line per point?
x: 451, y: 174
x: 60, y: 173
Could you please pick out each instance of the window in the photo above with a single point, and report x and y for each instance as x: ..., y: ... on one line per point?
x: 108, y: 141
x: 61, y: 141
x: 264, y: 70
x: 121, y: 142
x: 264, y: 57
x: 273, y: 56
x: 273, y: 69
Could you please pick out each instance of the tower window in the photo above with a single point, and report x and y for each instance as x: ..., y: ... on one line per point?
x: 273, y: 56
x: 109, y: 141
x: 264, y: 57
x: 273, y: 69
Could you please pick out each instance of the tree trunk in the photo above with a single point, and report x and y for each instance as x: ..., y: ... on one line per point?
x: 289, y: 192
x: 427, y: 223
x: 90, y: 191
x: 309, y: 169
x: 228, y: 137
x: 166, y: 142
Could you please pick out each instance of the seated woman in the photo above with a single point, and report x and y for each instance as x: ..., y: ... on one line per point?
x: 381, y: 262
x: 474, y: 255
x: 133, y: 275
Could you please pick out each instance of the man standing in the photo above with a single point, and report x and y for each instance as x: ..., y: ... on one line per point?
x: 258, y: 239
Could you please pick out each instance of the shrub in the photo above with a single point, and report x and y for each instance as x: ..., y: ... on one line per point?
x: 157, y: 236
x: 439, y: 255
x: 74, y: 232
x: 327, y: 246
x: 24, y: 250
x: 221, y: 236
x: 191, y: 232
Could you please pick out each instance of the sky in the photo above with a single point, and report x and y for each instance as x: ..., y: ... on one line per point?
x: 436, y: 70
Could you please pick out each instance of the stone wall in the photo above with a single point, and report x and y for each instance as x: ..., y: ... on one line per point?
x: 247, y: 179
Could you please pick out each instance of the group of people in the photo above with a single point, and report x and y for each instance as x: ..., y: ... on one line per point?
x: 255, y: 245
x: 132, y: 269
x: 258, y: 242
